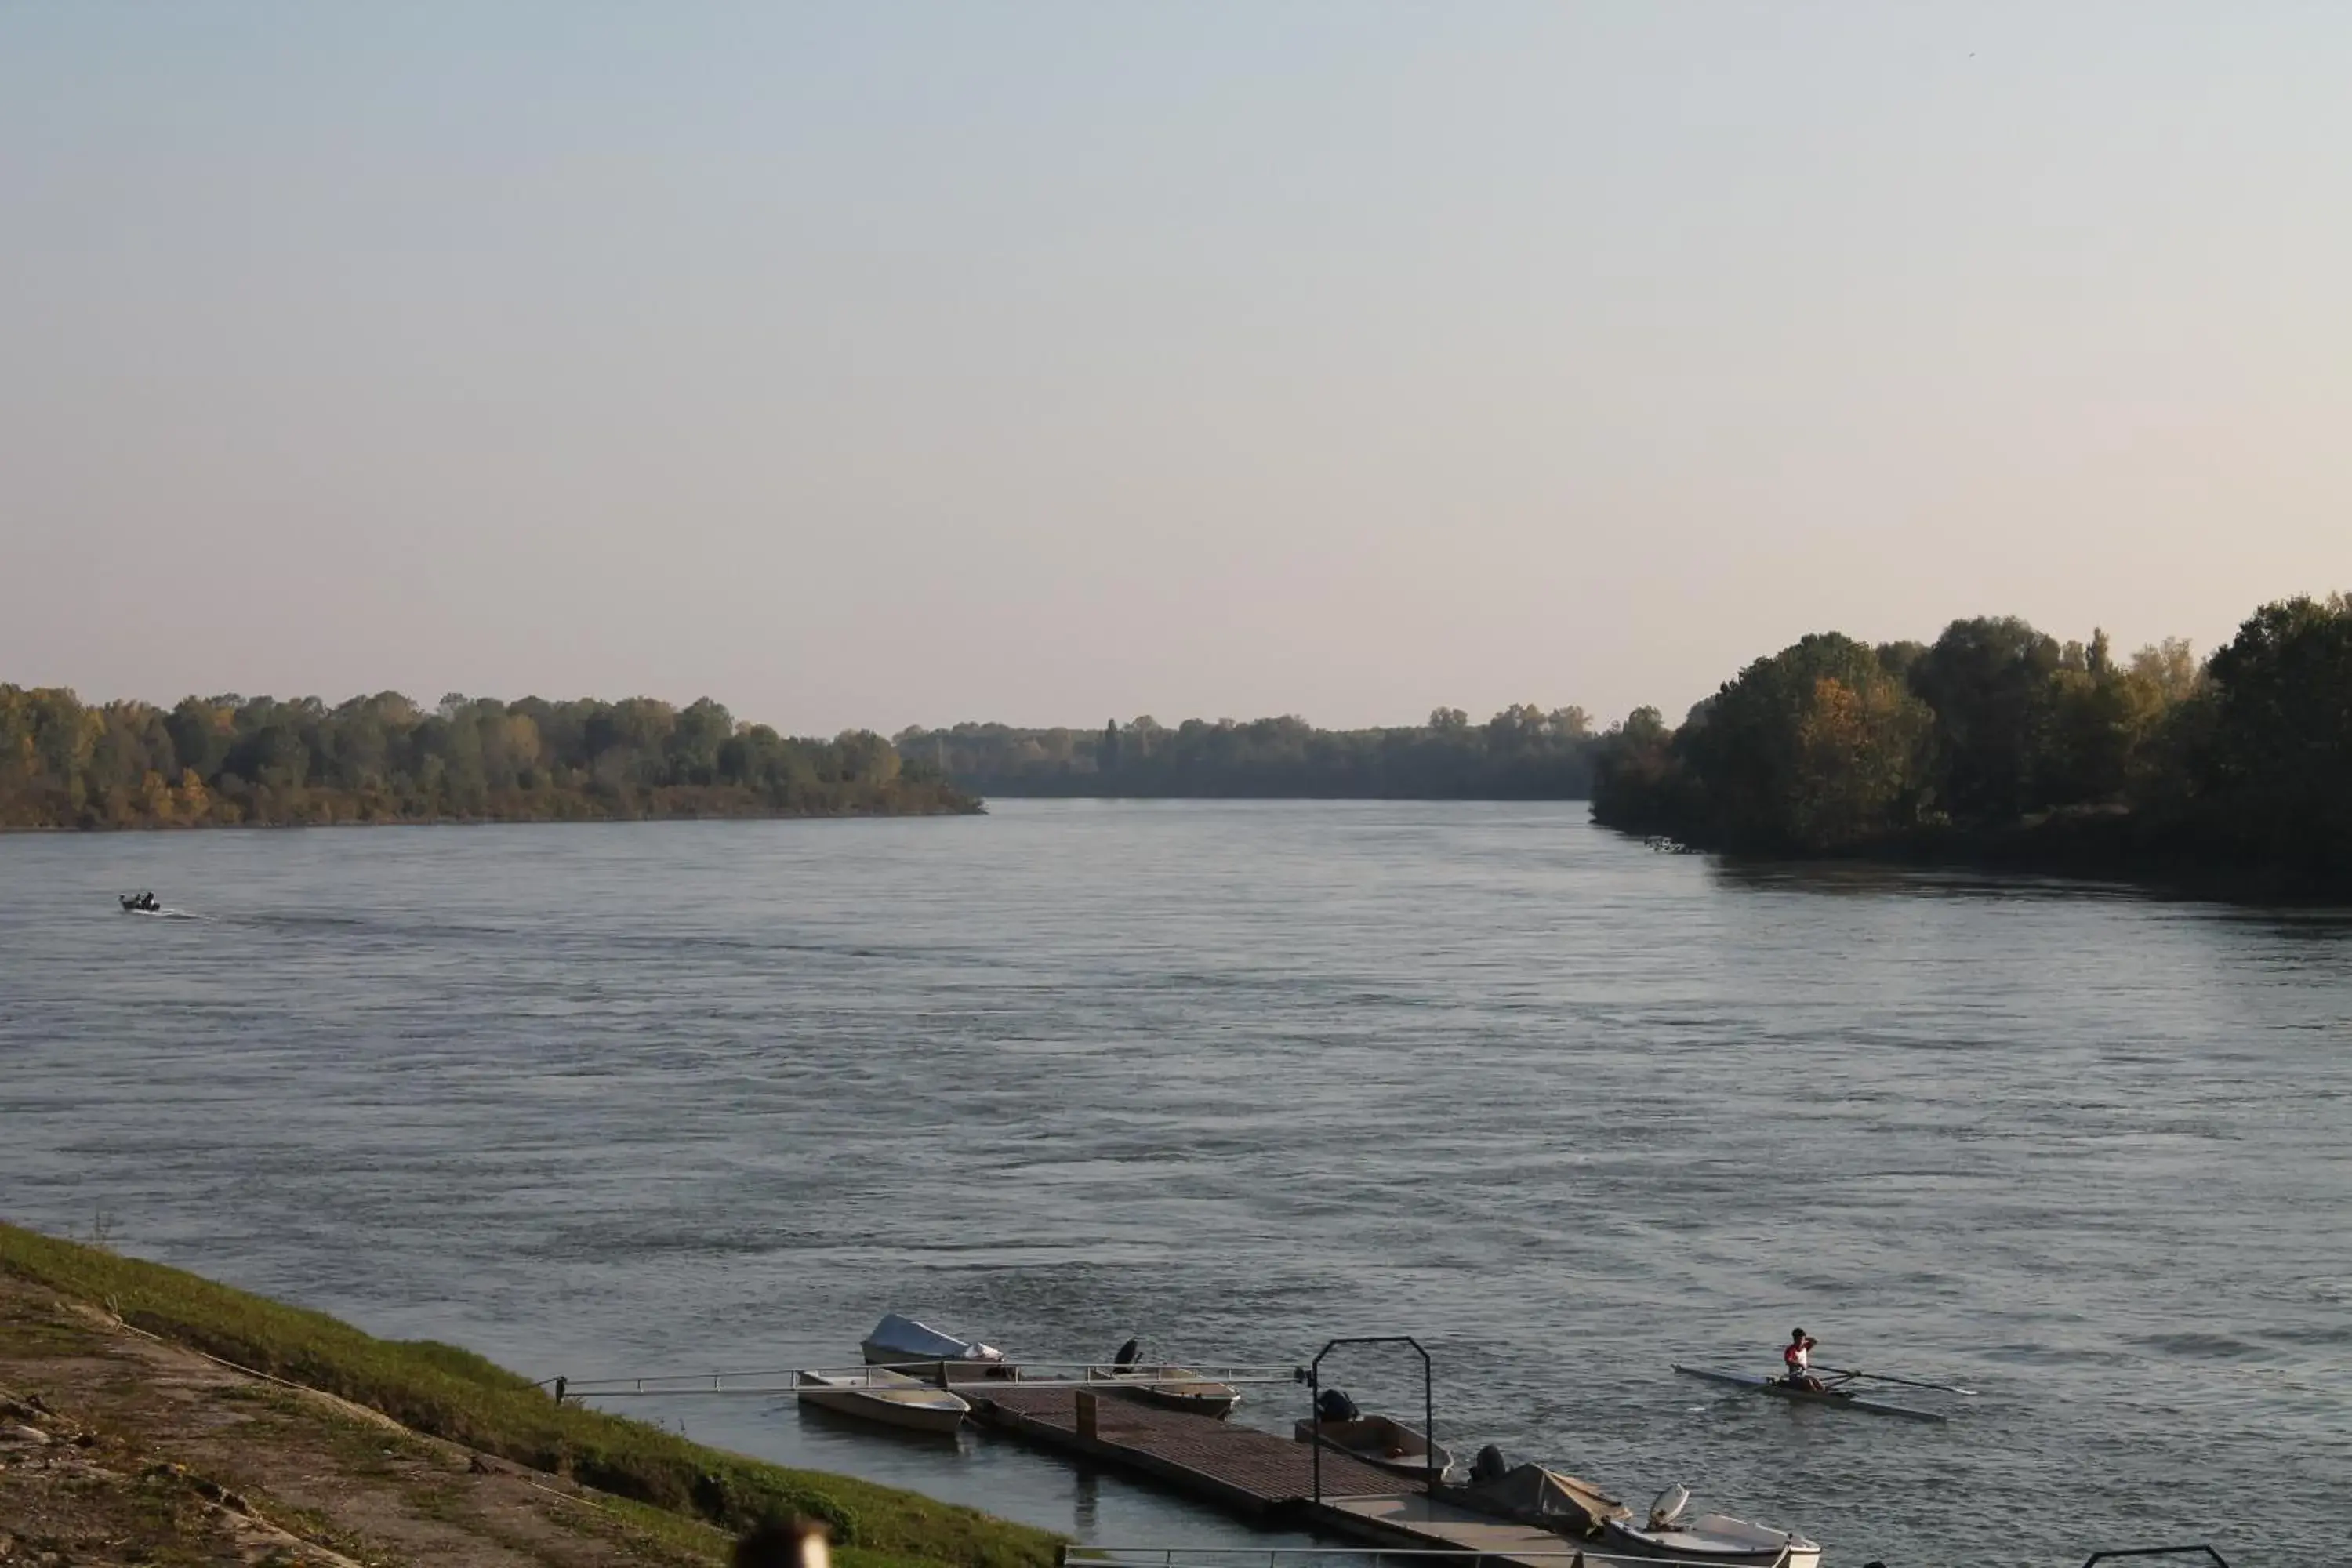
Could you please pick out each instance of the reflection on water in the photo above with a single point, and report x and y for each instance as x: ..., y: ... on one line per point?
x: 1237, y: 1077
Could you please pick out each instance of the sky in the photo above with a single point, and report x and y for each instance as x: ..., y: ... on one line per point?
x: 887, y: 364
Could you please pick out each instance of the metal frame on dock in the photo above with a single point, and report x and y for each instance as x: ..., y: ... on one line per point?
x: 1428, y: 1403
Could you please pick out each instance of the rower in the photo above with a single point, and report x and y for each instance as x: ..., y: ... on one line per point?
x: 1796, y: 1356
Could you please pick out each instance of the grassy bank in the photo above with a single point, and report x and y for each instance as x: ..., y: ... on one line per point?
x: 455, y: 1395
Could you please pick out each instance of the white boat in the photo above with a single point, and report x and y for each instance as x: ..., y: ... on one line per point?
x: 1380, y: 1442
x: 1836, y: 1398
x: 1716, y: 1538
x: 900, y: 1342
x: 1177, y: 1387
x: 878, y: 1394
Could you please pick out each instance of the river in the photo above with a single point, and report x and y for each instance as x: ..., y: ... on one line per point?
x: 1238, y: 1077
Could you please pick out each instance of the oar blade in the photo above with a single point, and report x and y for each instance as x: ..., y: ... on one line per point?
x: 1905, y: 1381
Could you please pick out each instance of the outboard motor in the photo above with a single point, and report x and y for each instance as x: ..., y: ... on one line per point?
x: 1334, y: 1405
x: 1669, y: 1506
x: 1128, y: 1353
x: 1490, y: 1464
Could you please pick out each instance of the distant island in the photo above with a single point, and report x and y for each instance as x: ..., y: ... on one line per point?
x: 1521, y: 754
x: 1998, y: 744
x: 229, y: 760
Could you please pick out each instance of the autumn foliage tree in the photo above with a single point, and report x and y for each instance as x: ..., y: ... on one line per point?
x: 382, y: 758
x: 1998, y: 734
x: 1817, y: 747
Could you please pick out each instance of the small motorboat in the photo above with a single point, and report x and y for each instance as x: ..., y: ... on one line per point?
x: 903, y: 1341
x: 1530, y: 1494
x: 1380, y: 1442
x: 878, y: 1394
x: 1714, y: 1538
x: 141, y: 904
x: 1838, y: 1398
x: 1178, y: 1388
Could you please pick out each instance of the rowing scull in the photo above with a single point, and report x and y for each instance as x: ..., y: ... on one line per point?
x: 1806, y: 1395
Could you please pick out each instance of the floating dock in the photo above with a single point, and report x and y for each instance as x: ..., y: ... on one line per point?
x: 1264, y: 1478
x: 1254, y: 1473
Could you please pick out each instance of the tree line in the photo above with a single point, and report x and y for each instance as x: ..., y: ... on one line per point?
x: 1521, y: 754
x: 228, y: 759
x: 1998, y: 741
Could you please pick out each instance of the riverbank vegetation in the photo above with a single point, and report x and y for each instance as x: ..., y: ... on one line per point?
x: 1999, y: 742
x: 221, y: 761
x: 1520, y: 754
x: 454, y: 1395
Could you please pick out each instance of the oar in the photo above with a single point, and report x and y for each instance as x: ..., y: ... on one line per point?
x: 1906, y: 1382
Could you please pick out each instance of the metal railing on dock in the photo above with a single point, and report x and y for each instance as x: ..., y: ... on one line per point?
x: 1568, y: 1555
x: 1376, y: 1557
x: 947, y: 1373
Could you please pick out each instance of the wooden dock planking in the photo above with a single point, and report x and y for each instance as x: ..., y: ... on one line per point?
x: 1251, y: 1472
x: 1262, y: 1476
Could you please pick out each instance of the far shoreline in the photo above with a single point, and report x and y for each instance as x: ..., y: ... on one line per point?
x: 112, y: 829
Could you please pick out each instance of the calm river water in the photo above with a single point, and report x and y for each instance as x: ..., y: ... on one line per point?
x: 1238, y: 1077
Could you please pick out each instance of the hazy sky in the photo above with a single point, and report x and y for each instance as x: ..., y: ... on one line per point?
x: 881, y: 364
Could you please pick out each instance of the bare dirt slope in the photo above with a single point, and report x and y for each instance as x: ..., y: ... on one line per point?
x: 117, y: 1448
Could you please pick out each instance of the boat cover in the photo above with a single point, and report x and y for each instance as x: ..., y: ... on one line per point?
x: 919, y: 1341
x: 1534, y: 1495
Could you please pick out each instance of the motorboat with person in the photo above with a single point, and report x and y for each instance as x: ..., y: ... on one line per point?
x: 140, y: 903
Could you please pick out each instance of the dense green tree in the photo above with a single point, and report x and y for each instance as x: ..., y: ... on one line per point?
x: 1988, y: 683
x: 2272, y: 762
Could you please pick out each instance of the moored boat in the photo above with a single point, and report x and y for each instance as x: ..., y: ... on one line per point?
x: 1530, y: 1494
x: 1838, y: 1397
x: 901, y: 1342
x: 1380, y: 1442
x: 1716, y: 1538
x: 1177, y: 1387
x: 878, y: 1394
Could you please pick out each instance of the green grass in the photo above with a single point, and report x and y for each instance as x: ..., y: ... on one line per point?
x: 455, y: 1394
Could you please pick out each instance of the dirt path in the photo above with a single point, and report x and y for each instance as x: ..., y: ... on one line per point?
x: 117, y: 1448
